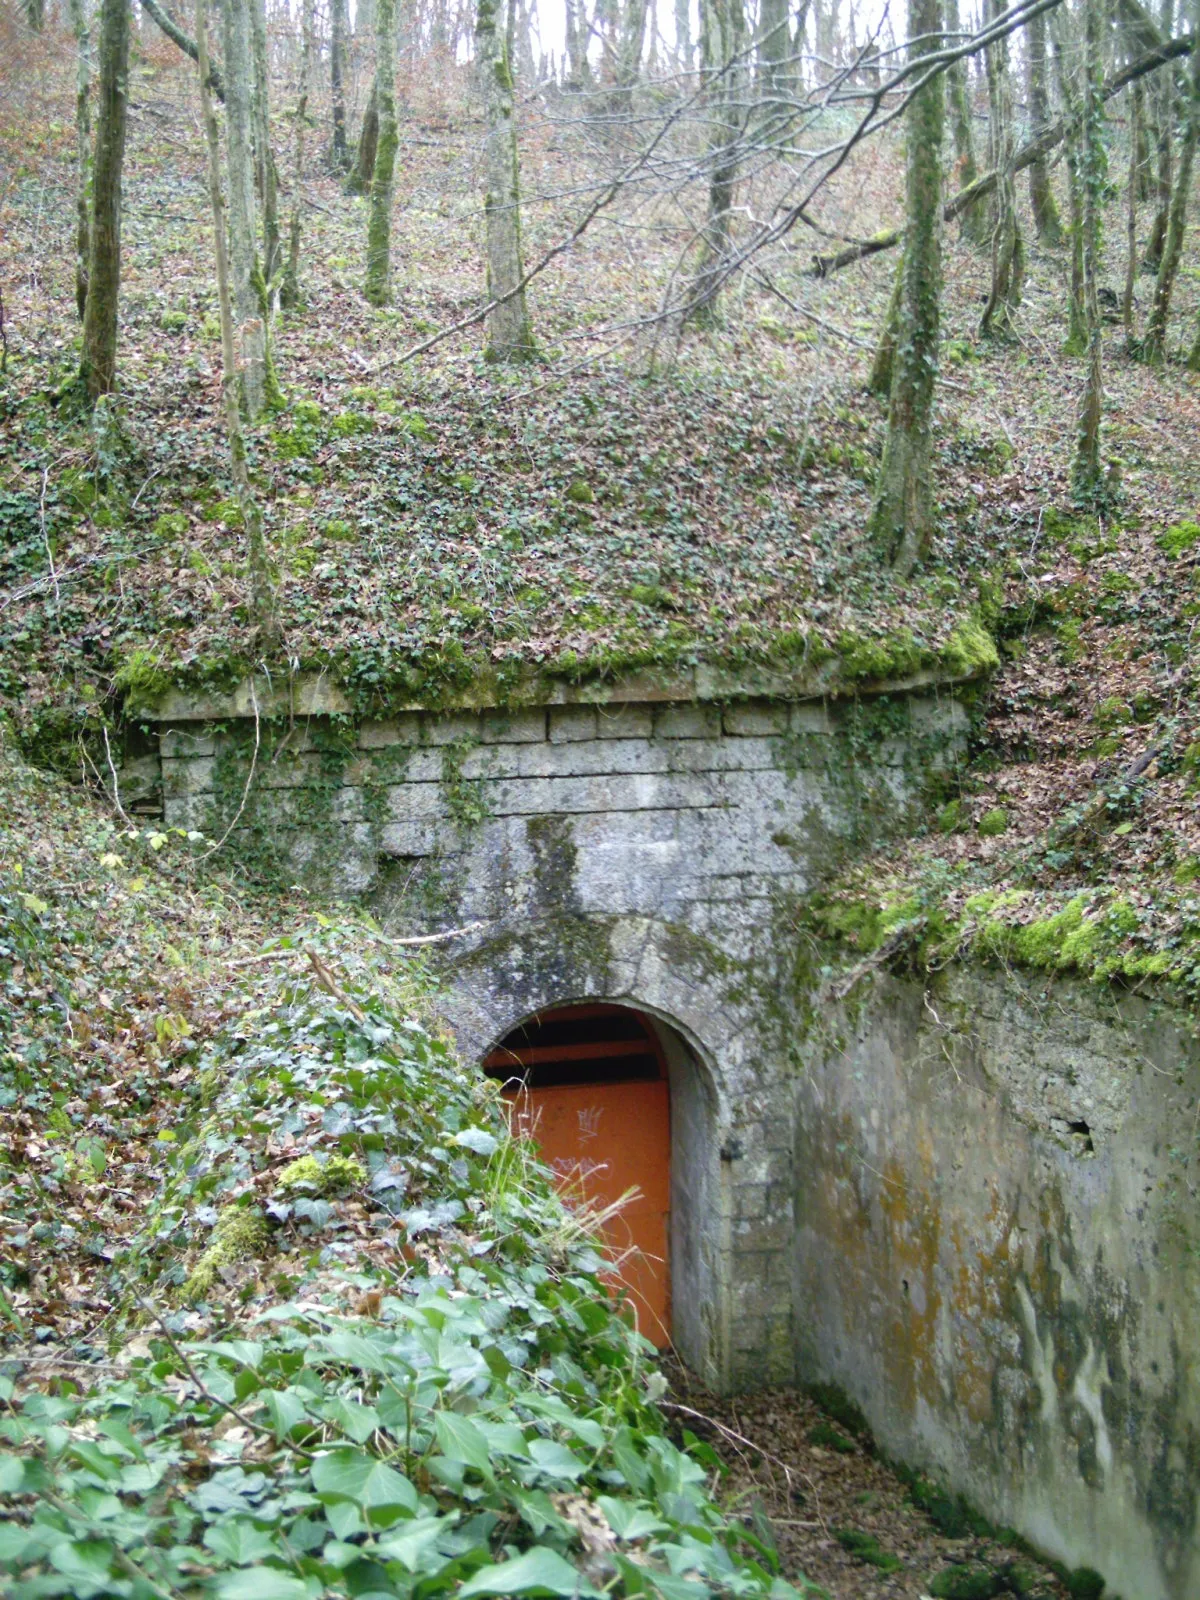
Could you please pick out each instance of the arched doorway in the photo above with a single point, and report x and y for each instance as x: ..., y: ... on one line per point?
x: 590, y: 1084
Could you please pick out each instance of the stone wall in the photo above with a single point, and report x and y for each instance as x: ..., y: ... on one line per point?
x: 997, y: 1254
x: 636, y: 847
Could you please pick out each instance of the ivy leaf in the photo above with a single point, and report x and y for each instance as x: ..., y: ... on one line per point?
x: 415, y: 1542
x: 479, y: 1140
x: 555, y: 1459
x: 460, y: 1440
x: 264, y: 1583
x: 240, y: 1542
x: 354, y: 1475
x: 539, y: 1571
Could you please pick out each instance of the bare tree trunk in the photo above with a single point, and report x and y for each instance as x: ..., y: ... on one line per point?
x: 1144, y: 163
x: 98, y: 366
x: 262, y: 589
x: 883, y: 366
x: 1045, y: 212
x: 1136, y: 127
x: 337, y: 69
x: 1162, y: 96
x: 1008, y: 250
x: 974, y: 221
x: 378, y: 287
x: 775, y: 47
x: 249, y: 309
x: 359, y: 181
x: 627, y: 62
x: 579, y: 73
x: 684, y: 49
x: 83, y: 147
x: 509, y: 331
x: 722, y: 32
x: 1154, y: 344
x: 265, y: 177
x: 289, y: 291
x: 903, y: 515
x: 1077, y: 332
x: 1087, y: 479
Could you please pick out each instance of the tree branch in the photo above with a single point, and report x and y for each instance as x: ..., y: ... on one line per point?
x: 177, y: 36
x: 1035, y: 150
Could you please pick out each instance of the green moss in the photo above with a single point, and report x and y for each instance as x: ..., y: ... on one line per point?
x: 883, y: 656
x: 141, y: 678
x: 836, y: 1403
x: 333, y: 1176
x: 171, y: 525
x: 866, y: 1547
x: 970, y: 650
x: 241, y: 1234
x: 1179, y: 539
x: 173, y: 321
x: 1085, y: 1583
x: 993, y: 822
x: 580, y: 492
x: 828, y: 1438
x: 949, y: 817
x: 347, y: 423
x: 966, y: 1583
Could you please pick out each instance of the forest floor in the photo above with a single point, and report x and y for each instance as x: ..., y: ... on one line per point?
x: 810, y: 1481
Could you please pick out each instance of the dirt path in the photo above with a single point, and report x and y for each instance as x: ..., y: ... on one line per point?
x: 843, y: 1518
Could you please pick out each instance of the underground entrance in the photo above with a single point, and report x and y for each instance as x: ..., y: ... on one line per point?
x: 620, y: 1110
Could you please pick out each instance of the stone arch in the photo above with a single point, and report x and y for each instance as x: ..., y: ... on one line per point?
x: 506, y: 980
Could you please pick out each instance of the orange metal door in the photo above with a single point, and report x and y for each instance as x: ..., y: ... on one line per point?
x: 603, y: 1137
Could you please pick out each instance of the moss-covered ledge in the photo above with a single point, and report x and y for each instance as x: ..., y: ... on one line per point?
x: 861, y: 666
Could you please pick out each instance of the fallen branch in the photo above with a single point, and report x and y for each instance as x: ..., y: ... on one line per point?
x: 878, y: 958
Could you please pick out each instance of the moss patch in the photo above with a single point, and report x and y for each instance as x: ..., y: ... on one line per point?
x: 241, y: 1233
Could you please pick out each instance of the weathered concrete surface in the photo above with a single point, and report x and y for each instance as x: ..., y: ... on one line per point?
x: 997, y: 1254
x: 637, y: 847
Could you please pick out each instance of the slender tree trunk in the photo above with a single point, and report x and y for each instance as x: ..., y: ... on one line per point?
x: 509, y: 331
x: 337, y: 70
x: 879, y: 382
x: 1045, y: 212
x: 903, y: 515
x: 722, y: 34
x: 1087, y: 479
x: 1155, y: 343
x: 262, y: 588
x: 378, y: 287
x: 684, y: 49
x: 265, y: 177
x: 98, y: 367
x: 1077, y: 333
x: 627, y: 62
x: 359, y: 181
x: 579, y: 72
x: 289, y: 291
x: 83, y: 147
x: 1162, y: 97
x: 774, y: 48
x: 1144, y: 163
x: 1136, y: 130
x: 249, y: 308
x: 1008, y: 250
x: 974, y: 222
